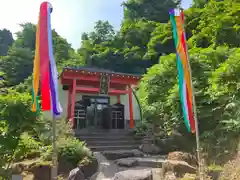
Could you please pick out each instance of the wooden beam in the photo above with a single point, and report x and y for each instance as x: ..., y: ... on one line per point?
x: 82, y: 77
x: 95, y: 90
x: 88, y: 89
x: 116, y: 92
x: 127, y: 81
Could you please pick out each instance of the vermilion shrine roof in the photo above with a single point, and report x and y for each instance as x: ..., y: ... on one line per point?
x: 99, y: 70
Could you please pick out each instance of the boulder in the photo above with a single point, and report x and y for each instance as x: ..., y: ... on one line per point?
x: 76, y: 174
x: 182, y: 156
x: 40, y: 171
x: 180, y: 168
x: 27, y: 175
x: 141, y: 174
x: 90, y: 168
x: 214, y: 174
x: 127, y: 162
x: 170, y: 176
x: 150, y: 149
x: 166, y: 144
x: 64, y: 166
x: 18, y: 168
x: 113, y: 155
x: 190, y: 176
x: 137, y: 153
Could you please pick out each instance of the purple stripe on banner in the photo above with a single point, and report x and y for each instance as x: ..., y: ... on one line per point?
x: 52, y: 88
x: 53, y: 94
x: 56, y: 108
x: 171, y: 11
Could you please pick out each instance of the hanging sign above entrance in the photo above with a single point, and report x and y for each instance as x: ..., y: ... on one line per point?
x: 104, y: 84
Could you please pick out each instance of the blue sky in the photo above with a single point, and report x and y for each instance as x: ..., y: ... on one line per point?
x: 70, y: 18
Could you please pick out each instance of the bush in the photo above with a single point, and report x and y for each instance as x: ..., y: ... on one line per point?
x: 16, y: 118
x: 44, y: 130
x: 27, y: 147
x: 231, y: 170
x: 70, y: 150
x: 141, y: 129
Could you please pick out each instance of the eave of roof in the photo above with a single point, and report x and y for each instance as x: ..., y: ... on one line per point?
x: 98, y: 70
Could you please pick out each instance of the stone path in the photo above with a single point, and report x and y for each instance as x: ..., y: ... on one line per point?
x: 107, y: 169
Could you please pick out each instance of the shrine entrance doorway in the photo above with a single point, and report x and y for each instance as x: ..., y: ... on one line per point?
x: 94, y: 112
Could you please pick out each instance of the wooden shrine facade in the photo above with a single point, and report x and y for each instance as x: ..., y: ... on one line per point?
x: 97, y: 82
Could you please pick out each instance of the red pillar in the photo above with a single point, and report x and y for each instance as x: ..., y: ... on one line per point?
x: 118, y: 99
x: 130, y: 106
x: 69, y: 102
x: 73, y: 94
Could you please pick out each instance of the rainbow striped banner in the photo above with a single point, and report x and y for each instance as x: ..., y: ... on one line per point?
x: 185, y: 87
x: 44, y: 69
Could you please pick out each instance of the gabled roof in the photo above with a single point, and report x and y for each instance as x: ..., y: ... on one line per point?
x: 98, y: 70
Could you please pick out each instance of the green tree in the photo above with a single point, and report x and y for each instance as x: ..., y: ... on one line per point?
x: 16, y: 118
x: 6, y: 41
x: 103, y: 31
x: 153, y: 10
x: 17, y: 65
x: 26, y: 37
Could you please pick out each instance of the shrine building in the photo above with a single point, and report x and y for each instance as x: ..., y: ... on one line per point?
x: 98, y: 98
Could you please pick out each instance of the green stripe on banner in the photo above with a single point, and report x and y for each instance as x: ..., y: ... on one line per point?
x: 180, y: 81
x: 37, y: 102
x: 180, y: 71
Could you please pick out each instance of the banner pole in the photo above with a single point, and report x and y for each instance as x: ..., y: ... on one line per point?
x: 54, y: 147
x: 200, y: 165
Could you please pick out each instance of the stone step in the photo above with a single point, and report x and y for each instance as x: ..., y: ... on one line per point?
x: 109, y: 138
x: 112, y: 147
x: 113, y: 132
x: 153, y: 162
x: 112, y: 142
x: 96, y: 134
x: 99, y: 137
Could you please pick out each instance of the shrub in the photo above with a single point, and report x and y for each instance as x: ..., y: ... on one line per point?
x: 16, y: 117
x: 27, y: 147
x: 141, y: 129
x: 231, y: 170
x: 44, y: 130
x: 72, y: 150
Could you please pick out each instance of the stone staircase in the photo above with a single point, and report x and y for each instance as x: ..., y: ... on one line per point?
x: 99, y: 140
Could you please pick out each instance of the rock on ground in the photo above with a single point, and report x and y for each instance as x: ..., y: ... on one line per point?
x: 143, y: 174
x: 76, y: 174
x: 183, y: 156
x: 150, y: 148
x: 180, y: 168
x: 113, y: 155
x: 127, y: 162
x: 190, y: 176
x: 170, y: 176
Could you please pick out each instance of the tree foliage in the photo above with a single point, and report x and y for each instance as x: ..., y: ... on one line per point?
x: 152, y: 10
x: 6, y: 41
x: 212, y: 32
x: 16, y: 118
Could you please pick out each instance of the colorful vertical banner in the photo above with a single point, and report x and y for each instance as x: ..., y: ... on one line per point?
x: 44, y: 69
x: 184, y: 76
